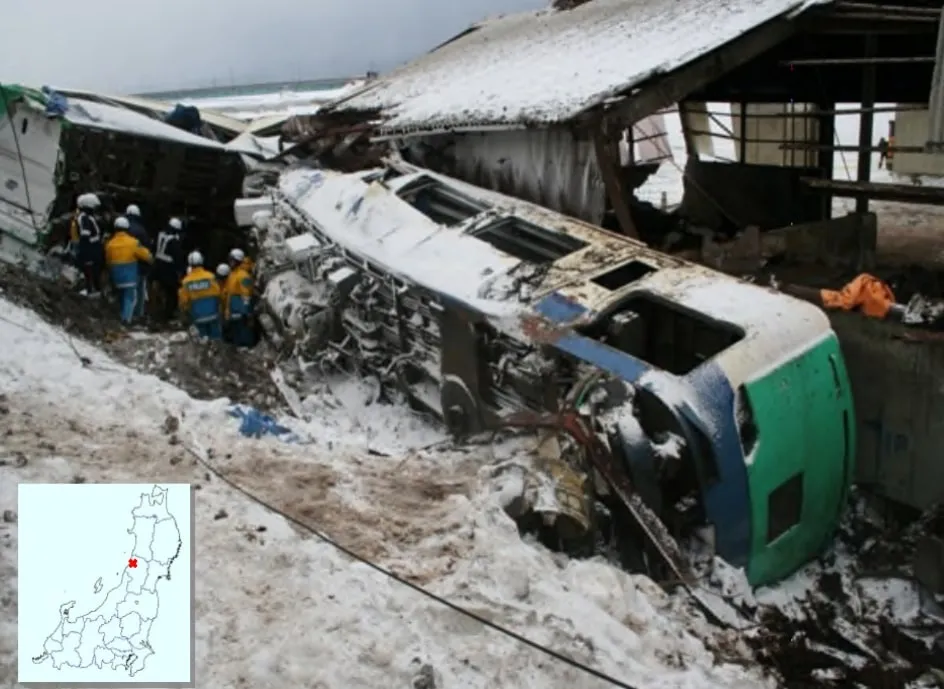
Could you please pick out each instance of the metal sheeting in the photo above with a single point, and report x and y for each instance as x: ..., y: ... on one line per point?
x: 549, y: 66
x: 548, y: 167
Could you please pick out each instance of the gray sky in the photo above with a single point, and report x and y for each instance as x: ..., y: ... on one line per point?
x: 125, y: 46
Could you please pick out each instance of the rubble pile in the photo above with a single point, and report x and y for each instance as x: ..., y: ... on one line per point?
x: 856, y: 617
x: 205, y: 370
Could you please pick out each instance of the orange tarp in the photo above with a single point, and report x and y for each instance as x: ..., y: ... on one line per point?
x: 867, y: 293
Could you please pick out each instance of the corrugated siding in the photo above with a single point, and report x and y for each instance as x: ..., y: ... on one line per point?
x: 548, y: 66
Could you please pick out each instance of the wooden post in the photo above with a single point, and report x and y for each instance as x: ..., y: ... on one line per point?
x: 865, y: 123
x: 742, y: 144
x: 609, y: 172
x: 826, y: 159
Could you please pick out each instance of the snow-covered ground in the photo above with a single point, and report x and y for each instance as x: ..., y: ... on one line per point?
x: 277, y: 607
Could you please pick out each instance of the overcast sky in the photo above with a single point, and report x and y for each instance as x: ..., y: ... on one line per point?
x: 117, y: 45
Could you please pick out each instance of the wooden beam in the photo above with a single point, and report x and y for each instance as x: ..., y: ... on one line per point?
x: 665, y: 90
x: 900, y: 193
x: 866, y: 121
x: 934, y: 12
x: 609, y: 172
x: 849, y: 61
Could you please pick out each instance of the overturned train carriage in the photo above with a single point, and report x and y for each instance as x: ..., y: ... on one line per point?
x: 720, y: 407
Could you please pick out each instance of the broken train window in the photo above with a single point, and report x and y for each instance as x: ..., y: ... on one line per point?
x: 784, y: 507
x: 526, y: 241
x: 664, y: 334
x: 438, y: 202
x: 622, y: 275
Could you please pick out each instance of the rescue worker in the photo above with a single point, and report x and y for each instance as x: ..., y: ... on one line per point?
x: 169, y: 266
x: 237, y: 308
x: 222, y: 272
x: 139, y: 232
x: 199, y: 298
x: 122, y: 254
x: 882, y: 152
x: 74, y: 228
x: 90, y: 254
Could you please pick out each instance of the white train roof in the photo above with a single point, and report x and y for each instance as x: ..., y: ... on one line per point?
x: 366, y: 215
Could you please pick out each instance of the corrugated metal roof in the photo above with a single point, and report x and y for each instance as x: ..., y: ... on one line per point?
x: 549, y: 66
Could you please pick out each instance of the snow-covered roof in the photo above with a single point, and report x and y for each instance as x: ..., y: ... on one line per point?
x: 155, y: 107
x: 88, y: 113
x: 549, y: 66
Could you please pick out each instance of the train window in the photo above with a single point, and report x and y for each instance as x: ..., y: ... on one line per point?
x: 784, y: 507
x: 747, y: 428
x: 664, y: 335
x: 623, y: 275
x: 384, y: 175
x: 526, y: 241
x: 438, y: 202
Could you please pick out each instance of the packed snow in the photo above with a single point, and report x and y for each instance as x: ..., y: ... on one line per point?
x: 277, y: 607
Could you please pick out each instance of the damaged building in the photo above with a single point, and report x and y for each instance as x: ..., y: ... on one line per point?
x: 535, y: 105
x: 56, y: 145
x: 656, y: 386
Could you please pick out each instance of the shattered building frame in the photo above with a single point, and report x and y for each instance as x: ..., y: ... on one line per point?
x: 120, y: 151
x: 493, y: 106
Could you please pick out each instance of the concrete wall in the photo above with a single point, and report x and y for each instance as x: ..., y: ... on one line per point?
x: 847, y: 243
x: 898, y: 386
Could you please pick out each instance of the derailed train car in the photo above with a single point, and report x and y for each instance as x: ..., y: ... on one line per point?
x: 717, y: 406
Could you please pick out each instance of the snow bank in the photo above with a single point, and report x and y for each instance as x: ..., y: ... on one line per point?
x: 326, y: 621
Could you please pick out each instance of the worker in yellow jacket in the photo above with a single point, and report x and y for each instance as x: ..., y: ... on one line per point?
x: 237, y: 309
x: 199, y: 298
x: 122, y: 254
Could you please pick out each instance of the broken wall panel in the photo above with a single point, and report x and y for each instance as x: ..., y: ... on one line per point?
x: 912, y: 129
x: 647, y: 141
x: 550, y: 167
x: 695, y: 122
x: 728, y: 197
x: 768, y: 126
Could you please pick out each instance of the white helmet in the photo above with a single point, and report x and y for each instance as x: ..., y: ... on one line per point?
x: 261, y: 220
x: 222, y: 270
x: 86, y: 202
x: 176, y: 224
x: 93, y: 201
x: 195, y: 259
x: 133, y: 210
x: 237, y: 255
x: 121, y: 223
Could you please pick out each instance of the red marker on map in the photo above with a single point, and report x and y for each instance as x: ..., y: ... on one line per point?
x: 132, y: 563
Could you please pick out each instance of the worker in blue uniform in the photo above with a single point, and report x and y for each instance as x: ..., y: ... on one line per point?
x: 169, y: 266
x: 122, y: 255
x: 199, y: 298
x: 90, y: 252
x: 238, y: 305
x: 139, y: 232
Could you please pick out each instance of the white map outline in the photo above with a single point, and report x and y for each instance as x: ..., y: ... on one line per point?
x: 116, y: 633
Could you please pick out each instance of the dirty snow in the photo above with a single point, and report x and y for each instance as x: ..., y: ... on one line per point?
x: 362, y: 477
x: 548, y: 66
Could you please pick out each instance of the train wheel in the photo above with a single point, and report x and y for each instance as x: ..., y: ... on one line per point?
x: 460, y: 409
